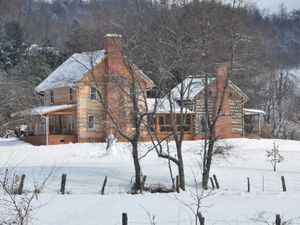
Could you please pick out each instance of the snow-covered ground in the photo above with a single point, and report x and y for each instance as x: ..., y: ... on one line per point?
x: 86, y: 165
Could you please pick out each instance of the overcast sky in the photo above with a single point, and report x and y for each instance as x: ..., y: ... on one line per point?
x: 273, y: 4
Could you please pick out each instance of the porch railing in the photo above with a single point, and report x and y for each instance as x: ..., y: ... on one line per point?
x: 168, y: 128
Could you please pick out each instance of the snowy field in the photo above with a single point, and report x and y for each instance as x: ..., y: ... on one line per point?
x: 86, y: 165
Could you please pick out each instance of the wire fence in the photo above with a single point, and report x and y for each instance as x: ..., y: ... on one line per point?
x: 271, y: 183
x: 213, y: 222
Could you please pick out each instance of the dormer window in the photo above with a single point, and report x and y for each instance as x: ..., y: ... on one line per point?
x: 51, y: 97
x: 93, y: 93
x: 70, y: 95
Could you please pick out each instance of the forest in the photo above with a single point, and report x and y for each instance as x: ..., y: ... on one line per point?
x: 183, y: 37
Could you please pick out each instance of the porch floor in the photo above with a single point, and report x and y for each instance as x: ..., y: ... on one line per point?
x: 52, y: 139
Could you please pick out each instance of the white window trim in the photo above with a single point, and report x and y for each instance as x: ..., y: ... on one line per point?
x: 93, y: 122
x: 71, y: 120
x: 50, y: 119
x: 130, y: 94
x: 93, y: 94
x: 133, y: 124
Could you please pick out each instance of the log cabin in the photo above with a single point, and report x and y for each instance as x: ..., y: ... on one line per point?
x: 235, y: 120
x: 73, y: 112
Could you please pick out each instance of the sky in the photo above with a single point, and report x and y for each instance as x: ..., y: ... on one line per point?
x: 273, y: 5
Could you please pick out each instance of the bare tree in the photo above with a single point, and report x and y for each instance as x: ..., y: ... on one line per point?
x: 16, y: 95
x: 19, y: 206
x: 274, y: 156
x: 171, y: 52
x: 121, y: 91
x: 236, y: 42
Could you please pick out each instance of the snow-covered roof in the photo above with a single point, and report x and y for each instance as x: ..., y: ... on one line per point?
x: 163, y: 106
x: 71, y: 71
x: 113, y: 35
x: 42, y: 110
x: 234, y: 87
x: 253, y: 112
x: 143, y: 75
x: 192, y: 86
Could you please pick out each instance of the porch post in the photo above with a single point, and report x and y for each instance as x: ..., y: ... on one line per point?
x: 27, y: 128
x: 37, y: 125
x: 19, y: 129
x: 192, y: 125
x: 259, y: 124
x: 47, y: 129
x: 157, y: 124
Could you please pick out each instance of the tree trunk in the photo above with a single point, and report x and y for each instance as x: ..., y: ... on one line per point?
x: 180, y: 165
x: 206, y: 169
x: 205, y: 177
x: 137, y: 166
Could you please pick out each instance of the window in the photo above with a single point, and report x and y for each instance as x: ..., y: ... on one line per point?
x: 91, y: 122
x: 93, y: 93
x: 133, y: 124
x: 51, y: 97
x: 161, y: 120
x: 71, y: 123
x: 70, y: 95
x: 202, y: 124
x: 152, y: 122
x: 247, y: 119
x: 188, y: 119
x: 130, y: 94
x: 51, y: 125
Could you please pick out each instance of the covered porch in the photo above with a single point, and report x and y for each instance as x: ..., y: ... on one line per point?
x: 48, y: 125
x: 160, y: 120
x: 161, y: 123
x: 252, y: 122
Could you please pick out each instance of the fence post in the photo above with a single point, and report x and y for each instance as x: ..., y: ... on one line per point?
x: 63, y: 183
x: 103, y: 186
x: 124, y: 219
x: 177, y: 184
x: 283, y: 183
x: 216, y: 181
x: 20, y: 189
x: 212, y: 183
x: 248, y: 181
x: 278, y: 220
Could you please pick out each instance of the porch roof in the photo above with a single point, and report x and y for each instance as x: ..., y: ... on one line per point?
x: 253, y: 112
x: 43, y: 110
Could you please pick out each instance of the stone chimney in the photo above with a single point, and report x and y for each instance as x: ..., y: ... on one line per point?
x: 223, y: 127
x: 113, y: 50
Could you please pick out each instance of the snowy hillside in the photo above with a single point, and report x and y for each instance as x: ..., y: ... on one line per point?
x: 86, y: 165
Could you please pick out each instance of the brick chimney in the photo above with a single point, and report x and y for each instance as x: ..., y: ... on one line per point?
x: 113, y: 49
x: 223, y: 127
x: 113, y: 95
